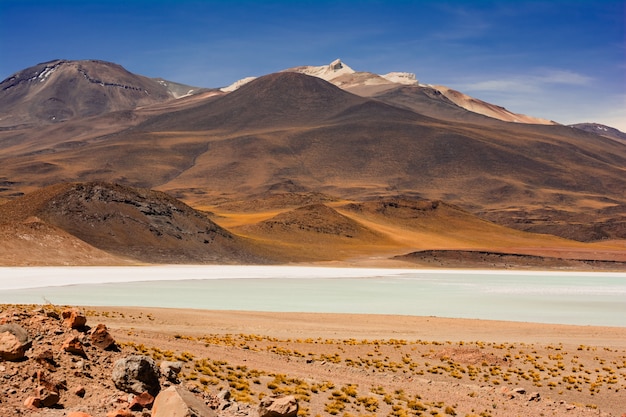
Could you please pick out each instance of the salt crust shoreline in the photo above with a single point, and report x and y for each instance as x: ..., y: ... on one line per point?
x: 16, y: 278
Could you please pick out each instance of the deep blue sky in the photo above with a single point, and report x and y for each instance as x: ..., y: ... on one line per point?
x: 561, y: 60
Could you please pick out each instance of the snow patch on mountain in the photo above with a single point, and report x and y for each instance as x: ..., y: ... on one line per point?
x: 406, y: 78
x: 237, y: 84
x: 326, y: 72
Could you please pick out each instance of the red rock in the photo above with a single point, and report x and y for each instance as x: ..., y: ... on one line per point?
x: 141, y: 401
x: 79, y: 391
x: 48, y: 396
x: 177, y: 401
x: 14, y: 342
x: 74, y: 346
x: 73, y: 318
x: 276, y: 406
x: 120, y: 413
x: 46, y: 359
x: 101, y: 337
x: 33, y: 403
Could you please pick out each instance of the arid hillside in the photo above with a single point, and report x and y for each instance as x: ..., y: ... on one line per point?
x: 294, y: 134
x: 102, y: 223
x: 125, y: 223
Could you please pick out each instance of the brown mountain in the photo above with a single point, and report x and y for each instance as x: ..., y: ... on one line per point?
x: 602, y: 130
x: 60, y: 90
x: 300, y: 132
x: 130, y: 223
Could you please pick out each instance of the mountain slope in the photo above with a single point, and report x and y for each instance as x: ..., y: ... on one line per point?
x: 60, y: 90
x: 291, y: 131
x: 602, y: 130
x: 144, y: 225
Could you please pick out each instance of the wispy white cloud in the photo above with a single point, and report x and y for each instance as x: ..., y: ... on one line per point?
x: 530, y: 82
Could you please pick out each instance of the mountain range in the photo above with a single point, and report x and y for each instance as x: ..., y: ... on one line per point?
x: 296, y: 149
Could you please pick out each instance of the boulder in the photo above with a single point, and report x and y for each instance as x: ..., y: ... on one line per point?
x: 74, y: 346
x: 100, y: 337
x: 136, y: 374
x: 278, y: 406
x: 73, y: 318
x: 176, y: 401
x: 14, y: 342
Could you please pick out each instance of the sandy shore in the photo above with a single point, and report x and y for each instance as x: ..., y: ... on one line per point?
x: 335, y: 364
x: 364, y: 326
x: 446, y: 366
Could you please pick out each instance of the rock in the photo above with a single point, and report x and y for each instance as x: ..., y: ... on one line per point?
x: 176, y: 401
x: 33, y: 403
x: 277, y: 406
x: 136, y: 374
x: 47, y: 395
x: 141, y: 401
x: 74, y: 346
x: 78, y: 414
x: 224, y: 395
x: 519, y: 391
x: 79, y: 391
x: 73, y: 318
x: 171, y: 370
x: 101, y: 337
x: 121, y: 413
x: 46, y: 359
x: 14, y: 342
x: 535, y: 396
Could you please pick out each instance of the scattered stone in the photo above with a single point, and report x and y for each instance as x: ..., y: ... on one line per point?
x: 101, y: 338
x: 136, y: 374
x: 535, y: 396
x: 46, y: 359
x: 277, y: 406
x: 224, y: 395
x: 171, y: 370
x: 33, y: 403
x: 141, y: 401
x: 177, y: 401
x: 73, y: 318
x: 121, y: 413
x: 78, y: 414
x: 48, y: 395
x: 14, y: 342
x: 74, y: 346
x: 80, y: 391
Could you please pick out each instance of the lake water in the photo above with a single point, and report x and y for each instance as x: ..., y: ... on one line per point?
x: 546, y: 297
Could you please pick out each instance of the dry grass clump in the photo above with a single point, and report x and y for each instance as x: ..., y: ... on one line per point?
x: 554, y: 371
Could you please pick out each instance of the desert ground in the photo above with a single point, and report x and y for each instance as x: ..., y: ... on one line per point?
x: 335, y: 364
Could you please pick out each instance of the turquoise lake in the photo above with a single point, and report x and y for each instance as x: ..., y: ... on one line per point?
x: 544, y: 297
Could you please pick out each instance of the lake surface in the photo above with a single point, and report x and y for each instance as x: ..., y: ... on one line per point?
x: 546, y: 297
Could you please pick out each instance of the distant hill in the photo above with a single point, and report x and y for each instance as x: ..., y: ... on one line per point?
x: 602, y: 130
x: 60, y: 90
x: 133, y: 224
x: 291, y: 132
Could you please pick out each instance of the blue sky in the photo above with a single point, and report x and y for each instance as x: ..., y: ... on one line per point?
x: 561, y: 60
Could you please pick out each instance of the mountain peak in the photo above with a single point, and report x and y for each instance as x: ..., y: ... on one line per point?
x: 61, y: 90
x: 326, y: 72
